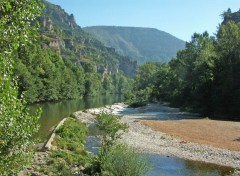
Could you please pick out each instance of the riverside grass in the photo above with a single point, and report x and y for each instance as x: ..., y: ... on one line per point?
x: 70, y: 155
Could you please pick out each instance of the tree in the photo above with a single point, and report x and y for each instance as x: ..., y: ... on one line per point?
x: 226, y: 14
x: 16, y: 125
x: 193, y: 73
x: 226, y: 77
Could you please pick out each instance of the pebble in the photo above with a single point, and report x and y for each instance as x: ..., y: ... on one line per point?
x: 149, y: 141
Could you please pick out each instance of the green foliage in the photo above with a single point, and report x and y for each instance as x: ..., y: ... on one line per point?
x: 67, y: 63
x: 142, y: 88
x: 71, y: 154
x: 111, y: 127
x: 114, y: 158
x: 124, y: 160
x: 229, y: 16
x: 93, y: 84
x: 71, y: 135
x: 143, y: 44
x: 226, y: 75
x: 204, y: 77
x: 17, y: 126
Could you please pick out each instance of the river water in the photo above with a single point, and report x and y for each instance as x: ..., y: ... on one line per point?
x: 161, y: 165
x: 54, y: 112
x: 172, y: 166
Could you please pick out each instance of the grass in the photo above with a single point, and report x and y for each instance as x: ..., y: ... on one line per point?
x: 70, y: 156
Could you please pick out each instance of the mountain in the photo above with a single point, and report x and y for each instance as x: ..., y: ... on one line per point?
x: 65, y: 62
x: 143, y: 44
x: 68, y: 36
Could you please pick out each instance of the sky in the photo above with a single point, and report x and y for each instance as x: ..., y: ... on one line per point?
x: 181, y: 18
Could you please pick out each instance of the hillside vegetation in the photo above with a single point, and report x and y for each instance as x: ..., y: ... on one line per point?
x: 66, y: 63
x: 143, y: 44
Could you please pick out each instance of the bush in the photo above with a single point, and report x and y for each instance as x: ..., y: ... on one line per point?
x: 123, y: 160
x: 117, y: 159
x: 110, y: 126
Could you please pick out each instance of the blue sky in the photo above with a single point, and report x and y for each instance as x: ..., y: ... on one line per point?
x: 180, y: 18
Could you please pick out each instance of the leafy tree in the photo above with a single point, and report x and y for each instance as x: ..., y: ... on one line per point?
x: 226, y: 14
x: 146, y: 75
x: 93, y: 84
x: 16, y: 125
x: 107, y: 84
x: 187, y: 80
x: 163, y: 89
x: 143, y: 84
x: 197, y: 63
x: 226, y: 76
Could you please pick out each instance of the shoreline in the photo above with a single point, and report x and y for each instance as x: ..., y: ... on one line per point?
x: 147, y: 140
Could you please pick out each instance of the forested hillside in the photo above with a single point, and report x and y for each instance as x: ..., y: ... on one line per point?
x: 65, y: 62
x: 143, y: 44
x: 204, y: 77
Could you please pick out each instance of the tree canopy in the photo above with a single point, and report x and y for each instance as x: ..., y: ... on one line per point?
x: 16, y: 125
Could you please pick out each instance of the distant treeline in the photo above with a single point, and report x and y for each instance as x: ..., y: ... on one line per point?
x: 204, y: 77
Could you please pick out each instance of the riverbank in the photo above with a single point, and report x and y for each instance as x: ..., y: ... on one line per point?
x: 145, y: 134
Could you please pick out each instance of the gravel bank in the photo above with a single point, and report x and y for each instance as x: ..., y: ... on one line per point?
x: 149, y: 141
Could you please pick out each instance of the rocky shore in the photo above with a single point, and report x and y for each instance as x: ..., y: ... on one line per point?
x: 149, y: 141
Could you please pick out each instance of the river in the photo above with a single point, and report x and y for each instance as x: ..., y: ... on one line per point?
x: 54, y: 112
x: 161, y: 165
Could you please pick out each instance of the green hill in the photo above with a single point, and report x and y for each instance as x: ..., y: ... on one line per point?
x: 143, y: 44
x: 66, y: 62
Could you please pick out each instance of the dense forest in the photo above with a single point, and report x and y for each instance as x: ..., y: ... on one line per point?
x: 142, y: 44
x: 204, y: 77
x: 66, y: 63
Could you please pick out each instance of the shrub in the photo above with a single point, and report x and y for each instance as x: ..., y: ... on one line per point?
x: 113, y: 158
x: 123, y: 160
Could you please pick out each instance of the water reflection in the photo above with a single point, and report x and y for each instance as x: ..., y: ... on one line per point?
x: 172, y: 166
x: 54, y: 112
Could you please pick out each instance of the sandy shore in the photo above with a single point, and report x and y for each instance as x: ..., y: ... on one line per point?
x: 147, y: 140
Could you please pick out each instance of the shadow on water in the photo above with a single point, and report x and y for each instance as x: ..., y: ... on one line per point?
x: 160, y: 112
x: 54, y: 112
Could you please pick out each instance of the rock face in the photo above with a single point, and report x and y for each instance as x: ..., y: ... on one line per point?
x: 47, y: 24
x: 60, y: 32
